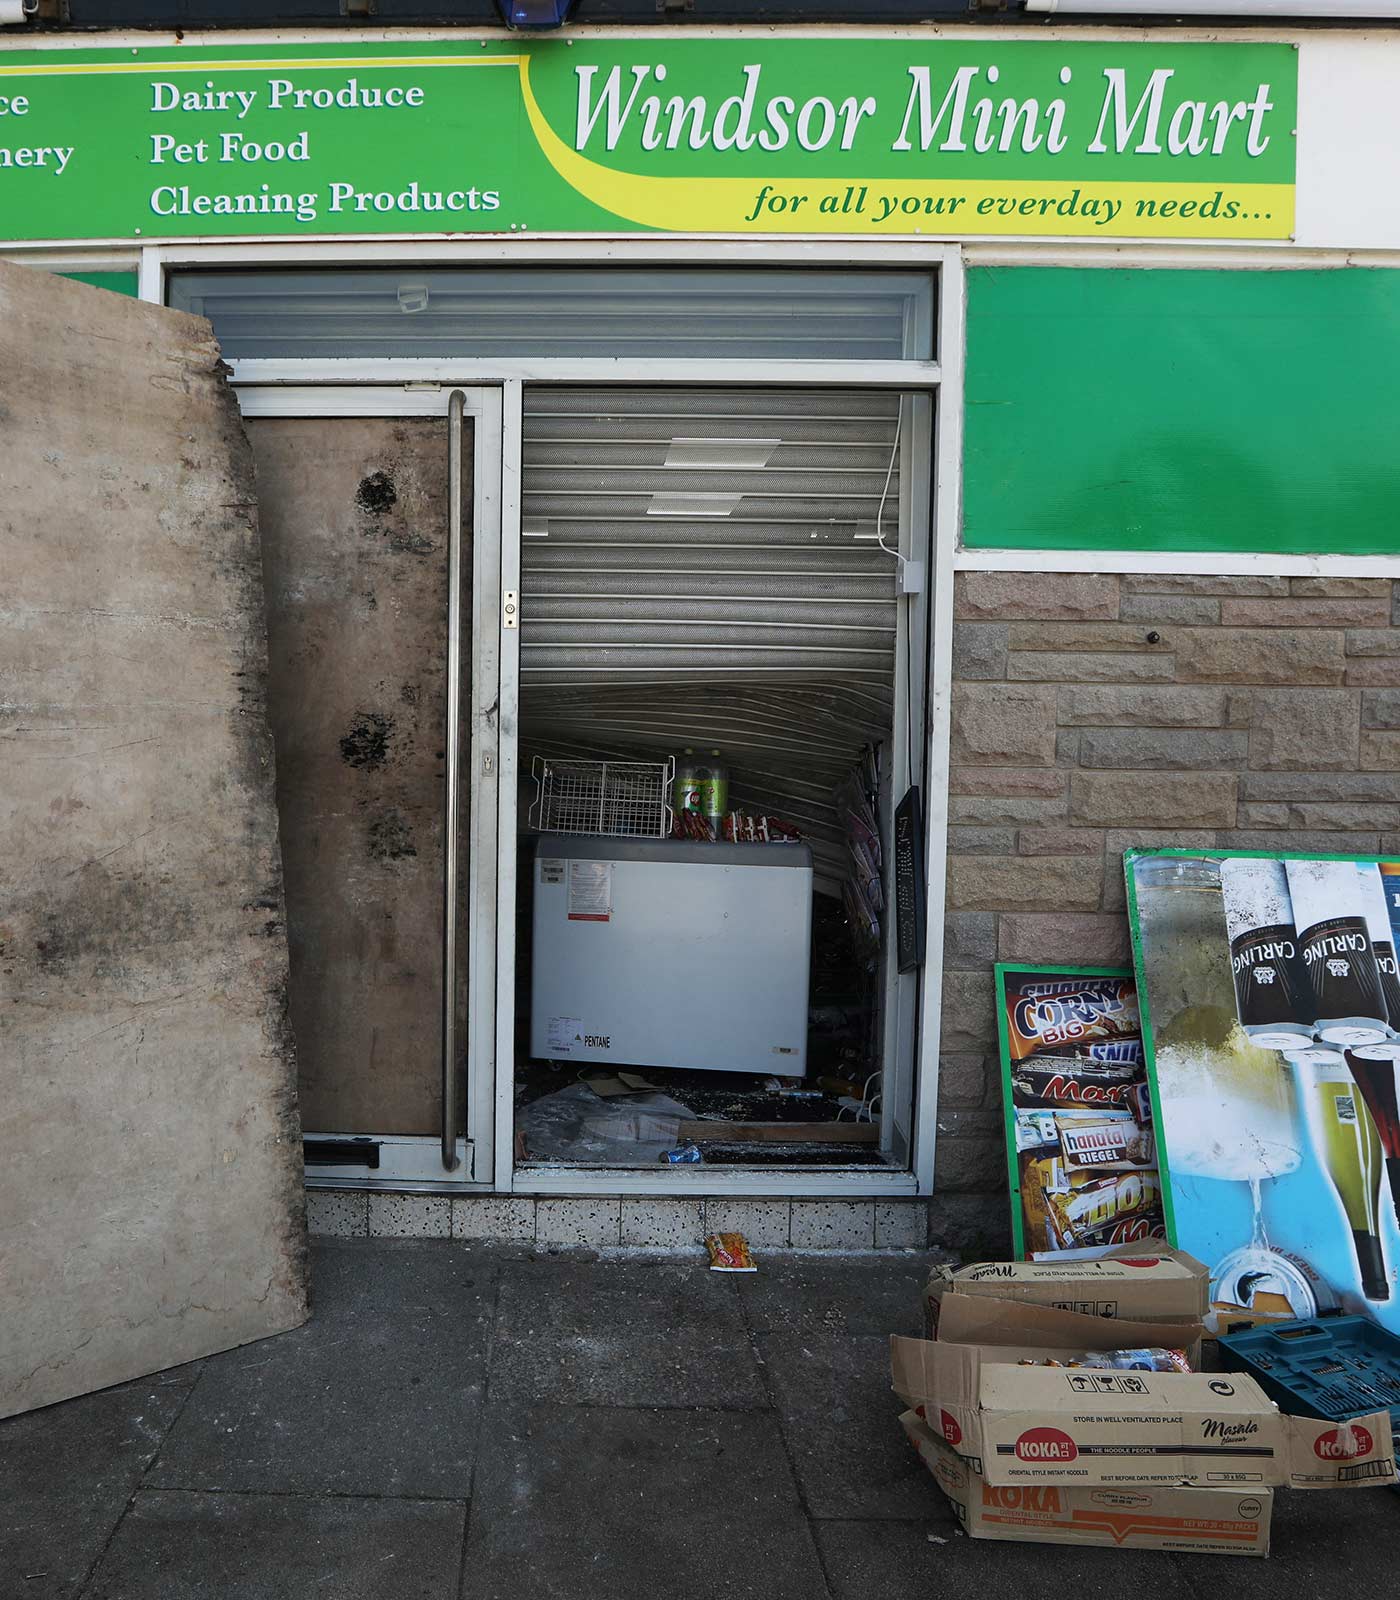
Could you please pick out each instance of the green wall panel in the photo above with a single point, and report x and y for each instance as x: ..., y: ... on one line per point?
x: 1112, y: 409
x: 117, y: 282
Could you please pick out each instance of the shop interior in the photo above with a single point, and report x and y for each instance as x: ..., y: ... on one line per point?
x: 720, y: 668
x: 718, y: 587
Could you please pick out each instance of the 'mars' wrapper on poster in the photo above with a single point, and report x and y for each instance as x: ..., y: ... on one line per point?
x: 1046, y: 1080
x: 1273, y: 1160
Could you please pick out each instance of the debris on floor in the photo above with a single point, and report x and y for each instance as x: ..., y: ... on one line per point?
x: 607, y: 1085
x: 686, y: 1154
x: 729, y: 1252
x: 735, y: 1120
x: 574, y: 1124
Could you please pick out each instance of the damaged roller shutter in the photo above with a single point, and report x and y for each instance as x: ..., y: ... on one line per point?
x: 704, y: 566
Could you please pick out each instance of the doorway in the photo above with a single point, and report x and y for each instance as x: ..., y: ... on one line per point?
x: 872, y: 340
x: 733, y: 588
x: 719, y: 587
x: 380, y: 517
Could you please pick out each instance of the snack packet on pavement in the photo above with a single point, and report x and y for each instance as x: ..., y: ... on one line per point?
x: 729, y: 1252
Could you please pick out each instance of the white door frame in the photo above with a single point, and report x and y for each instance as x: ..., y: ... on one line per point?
x: 421, y: 387
x: 904, y: 1003
x: 416, y: 1160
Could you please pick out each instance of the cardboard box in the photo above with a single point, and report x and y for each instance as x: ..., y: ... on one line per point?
x: 1015, y: 1424
x: 1161, y: 1285
x: 978, y: 1319
x: 1359, y: 1454
x: 1202, y: 1521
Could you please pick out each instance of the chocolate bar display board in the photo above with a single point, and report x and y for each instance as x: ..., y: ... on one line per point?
x: 1080, y: 1146
x: 1271, y: 1028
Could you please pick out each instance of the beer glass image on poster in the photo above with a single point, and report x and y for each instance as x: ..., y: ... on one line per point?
x: 1271, y: 1029
x: 1080, y: 1150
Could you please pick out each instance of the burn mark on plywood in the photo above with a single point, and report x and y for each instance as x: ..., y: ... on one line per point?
x: 55, y: 950
x: 391, y: 837
x: 393, y: 509
x: 366, y: 745
x: 266, y: 927
x: 377, y: 494
x: 409, y: 542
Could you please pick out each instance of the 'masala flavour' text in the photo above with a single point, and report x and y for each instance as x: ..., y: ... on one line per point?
x: 1217, y: 1428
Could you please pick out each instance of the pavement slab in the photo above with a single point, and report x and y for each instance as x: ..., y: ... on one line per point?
x: 468, y: 1422
x: 874, y: 1294
x: 176, y: 1545
x: 656, y: 1333
x: 840, y: 1419
x: 1331, y: 1541
x: 66, y: 1474
x: 902, y: 1560
x: 380, y: 1393
x: 620, y: 1503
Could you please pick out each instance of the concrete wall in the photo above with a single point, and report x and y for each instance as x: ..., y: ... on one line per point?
x: 1093, y: 712
x: 150, y: 1193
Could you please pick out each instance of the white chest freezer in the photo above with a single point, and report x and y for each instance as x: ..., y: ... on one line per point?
x: 669, y: 953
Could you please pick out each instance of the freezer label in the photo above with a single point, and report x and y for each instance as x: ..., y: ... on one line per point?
x: 590, y: 891
x: 565, y: 1034
x: 551, y: 871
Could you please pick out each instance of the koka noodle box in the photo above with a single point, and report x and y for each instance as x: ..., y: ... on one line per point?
x: 1171, y: 1287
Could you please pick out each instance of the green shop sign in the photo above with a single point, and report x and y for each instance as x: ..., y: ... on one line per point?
x: 738, y: 135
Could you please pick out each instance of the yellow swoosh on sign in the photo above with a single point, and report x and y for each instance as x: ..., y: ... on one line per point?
x: 726, y: 205
x: 64, y: 69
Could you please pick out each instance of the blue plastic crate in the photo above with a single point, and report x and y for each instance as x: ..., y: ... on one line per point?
x: 1338, y: 1368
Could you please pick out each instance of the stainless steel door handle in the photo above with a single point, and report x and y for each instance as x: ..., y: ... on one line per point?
x: 456, y: 404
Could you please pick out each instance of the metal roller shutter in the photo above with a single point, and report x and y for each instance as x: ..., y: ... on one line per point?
x: 701, y: 567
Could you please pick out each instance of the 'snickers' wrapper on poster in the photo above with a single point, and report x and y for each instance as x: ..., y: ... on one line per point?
x: 1126, y: 1052
x: 1058, y: 1014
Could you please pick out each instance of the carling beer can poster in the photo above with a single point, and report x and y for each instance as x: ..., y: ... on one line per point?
x: 1081, y: 1155
x: 1271, y: 1027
